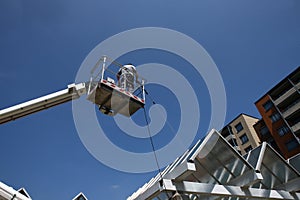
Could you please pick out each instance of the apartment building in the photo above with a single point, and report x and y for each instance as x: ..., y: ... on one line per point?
x: 280, y: 111
x: 241, y: 134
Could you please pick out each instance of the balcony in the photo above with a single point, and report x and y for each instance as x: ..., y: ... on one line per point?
x: 298, y: 86
x: 291, y: 109
x: 296, y: 127
x: 286, y: 94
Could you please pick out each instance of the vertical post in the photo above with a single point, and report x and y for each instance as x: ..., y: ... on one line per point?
x: 261, y: 156
x: 90, y: 85
x: 103, y: 68
x: 294, y: 85
x: 125, y: 78
x: 143, y: 90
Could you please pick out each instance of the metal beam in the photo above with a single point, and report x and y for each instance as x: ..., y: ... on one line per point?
x: 246, y: 179
x: 213, y: 190
x: 181, y: 171
x: 261, y: 156
x: 226, y: 190
x: 148, y: 193
x: 291, y: 186
x: 7, y: 192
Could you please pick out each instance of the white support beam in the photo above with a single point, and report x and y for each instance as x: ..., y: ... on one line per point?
x: 291, y: 186
x: 181, y: 171
x: 261, y: 156
x: 247, y: 179
x: 73, y: 91
x: 213, y: 190
x: 226, y: 190
x: 148, y: 194
x: 7, y: 192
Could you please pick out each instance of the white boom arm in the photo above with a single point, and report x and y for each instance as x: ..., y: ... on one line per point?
x: 74, y: 91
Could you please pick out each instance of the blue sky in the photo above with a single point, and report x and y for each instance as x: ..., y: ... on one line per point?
x: 43, y: 43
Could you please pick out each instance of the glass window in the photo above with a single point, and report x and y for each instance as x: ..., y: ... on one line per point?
x: 283, y: 130
x: 249, y: 148
x: 244, y: 138
x: 239, y: 127
x: 264, y: 130
x: 275, y: 117
x: 292, y: 144
x: 268, y: 105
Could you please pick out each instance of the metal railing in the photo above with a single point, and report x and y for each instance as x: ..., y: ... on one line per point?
x: 108, y: 69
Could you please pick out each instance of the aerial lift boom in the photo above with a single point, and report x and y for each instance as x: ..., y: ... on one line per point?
x: 111, y: 96
x: 74, y: 91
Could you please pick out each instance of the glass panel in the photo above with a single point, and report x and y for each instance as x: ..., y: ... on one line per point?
x: 275, y: 117
x: 283, y: 130
x: 268, y: 105
x: 292, y: 144
x: 244, y: 139
x: 239, y: 127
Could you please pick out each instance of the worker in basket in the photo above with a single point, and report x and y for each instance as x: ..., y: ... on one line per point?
x: 127, y: 77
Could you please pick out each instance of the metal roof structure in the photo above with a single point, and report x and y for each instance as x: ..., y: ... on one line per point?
x: 8, y: 193
x: 80, y: 196
x: 213, y: 169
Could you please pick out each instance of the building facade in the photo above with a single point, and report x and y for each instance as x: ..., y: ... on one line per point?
x: 280, y: 111
x: 241, y: 134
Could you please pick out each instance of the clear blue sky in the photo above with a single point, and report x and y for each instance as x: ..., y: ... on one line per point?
x: 43, y: 43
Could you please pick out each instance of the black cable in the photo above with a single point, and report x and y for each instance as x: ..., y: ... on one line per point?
x: 154, y: 152
x: 168, y: 123
x: 151, y: 140
x: 147, y: 93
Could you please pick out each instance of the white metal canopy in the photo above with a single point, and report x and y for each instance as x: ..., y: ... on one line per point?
x: 213, y: 169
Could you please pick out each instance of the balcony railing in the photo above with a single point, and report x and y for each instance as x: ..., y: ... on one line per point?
x: 291, y: 108
x: 296, y: 127
x: 286, y: 94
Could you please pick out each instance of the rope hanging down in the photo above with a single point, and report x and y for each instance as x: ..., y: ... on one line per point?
x: 153, y: 147
x: 167, y: 122
x: 154, y: 152
x: 152, y: 143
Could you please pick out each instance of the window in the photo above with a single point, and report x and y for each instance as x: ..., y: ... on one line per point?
x: 268, y: 105
x: 292, y: 144
x: 283, y: 130
x: 275, y: 117
x: 239, y: 127
x: 249, y: 148
x: 264, y: 130
x: 244, y: 138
